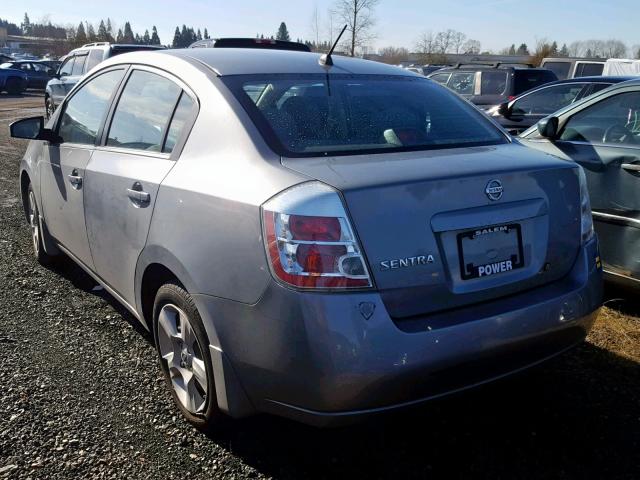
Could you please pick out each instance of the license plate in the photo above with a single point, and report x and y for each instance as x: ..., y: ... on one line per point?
x: 489, y: 251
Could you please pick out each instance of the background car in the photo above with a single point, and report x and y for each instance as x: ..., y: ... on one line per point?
x: 12, y: 81
x: 602, y: 133
x: 573, y: 67
x: 337, y: 245
x: 79, y: 61
x: 488, y: 85
x: 518, y: 115
x: 38, y: 73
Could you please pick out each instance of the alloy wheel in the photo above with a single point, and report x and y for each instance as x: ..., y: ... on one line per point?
x: 34, y: 223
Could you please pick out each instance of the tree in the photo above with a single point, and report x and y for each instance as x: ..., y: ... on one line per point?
x: 554, y: 49
x: 523, y: 49
x: 109, y: 29
x: 457, y: 40
x: 26, y: 25
x: 283, y: 33
x: 589, y: 53
x: 120, y: 36
x: 425, y: 45
x: 471, y: 47
x: 512, y: 49
x: 128, y: 33
x: 177, y: 41
x: 394, y: 55
x: 146, y: 39
x: 638, y: 53
x: 155, y: 39
x: 358, y: 16
x: 91, y: 33
x: 103, y: 35
x: 206, y: 34
x: 199, y: 35
x: 81, y: 36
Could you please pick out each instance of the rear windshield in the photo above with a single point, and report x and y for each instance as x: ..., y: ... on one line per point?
x: 311, y: 115
x: 527, y: 79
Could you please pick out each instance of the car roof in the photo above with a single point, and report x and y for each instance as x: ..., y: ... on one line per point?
x: 245, y: 61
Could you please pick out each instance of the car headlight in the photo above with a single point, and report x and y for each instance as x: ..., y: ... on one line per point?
x: 585, y: 208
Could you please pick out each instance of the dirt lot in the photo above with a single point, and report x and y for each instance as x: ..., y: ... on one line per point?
x: 82, y: 395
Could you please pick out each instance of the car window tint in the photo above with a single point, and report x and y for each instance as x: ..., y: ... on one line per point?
x: 85, y: 110
x: 596, y: 87
x: 67, y: 67
x: 180, y: 117
x: 525, y: 80
x: 493, y: 83
x: 614, y: 120
x: 547, y: 100
x: 143, y: 111
x: 78, y: 66
x: 589, y: 69
x: 462, y: 82
x: 349, y: 114
x: 94, y: 58
x: 561, y: 69
x: 441, y: 77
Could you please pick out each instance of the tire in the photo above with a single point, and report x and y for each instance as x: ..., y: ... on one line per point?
x: 183, y: 353
x: 37, y: 235
x: 49, y: 107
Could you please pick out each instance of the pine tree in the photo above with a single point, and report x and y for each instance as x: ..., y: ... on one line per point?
x: 137, y: 39
x: 26, y: 25
x: 283, y: 33
x: 103, y: 36
x: 554, y: 49
x: 109, y: 29
x: 146, y: 39
x: 523, y: 49
x: 155, y: 39
x: 128, y: 33
x: 512, y: 49
x: 177, y: 40
x: 81, y: 36
x: 638, y: 54
x: 564, y: 51
x: 206, y: 34
x: 199, y: 35
x: 120, y: 36
x: 91, y: 33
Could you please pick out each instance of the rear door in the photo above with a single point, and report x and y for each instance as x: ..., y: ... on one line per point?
x: 62, y: 173
x: 125, y: 173
x: 604, y: 138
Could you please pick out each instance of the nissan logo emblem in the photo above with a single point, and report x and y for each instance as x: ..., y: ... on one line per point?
x: 494, y: 190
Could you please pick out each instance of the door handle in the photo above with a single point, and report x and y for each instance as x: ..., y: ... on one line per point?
x: 631, y: 167
x: 74, y: 179
x: 138, y: 195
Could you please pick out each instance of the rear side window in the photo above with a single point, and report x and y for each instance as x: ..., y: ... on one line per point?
x: 85, y: 110
x: 547, y: 100
x: 525, y: 80
x: 78, y: 66
x: 561, y: 69
x: 463, y: 83
x: 314, y: 115
x: 94, y: 58
x: 143, y: 112
x: 493, y: 82
x: 589, y: 69
x: 180, y: 118
x: 441, y: 78
x: 67, y: 67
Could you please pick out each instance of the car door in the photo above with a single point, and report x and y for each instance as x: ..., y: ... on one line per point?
x: 57, y: 85
x: 125, y: 173
x: 528, y: 109
x: 62, y: 170
x: 604, y: 137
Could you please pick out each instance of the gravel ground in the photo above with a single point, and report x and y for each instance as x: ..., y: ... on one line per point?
x: 82, y: 395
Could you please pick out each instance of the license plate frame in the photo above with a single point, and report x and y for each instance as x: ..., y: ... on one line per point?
x: 515, y: 260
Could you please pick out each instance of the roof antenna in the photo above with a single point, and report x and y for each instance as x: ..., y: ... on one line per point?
x: 326, y: 59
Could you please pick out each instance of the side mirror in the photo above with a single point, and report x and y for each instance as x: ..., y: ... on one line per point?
x: 504, y: 110
x: 33, y: 129
x: 548, y: 127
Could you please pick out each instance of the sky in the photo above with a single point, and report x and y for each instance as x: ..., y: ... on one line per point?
x: 495, y: 23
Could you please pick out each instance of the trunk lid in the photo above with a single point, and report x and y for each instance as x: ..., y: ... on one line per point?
x: 433, y: 238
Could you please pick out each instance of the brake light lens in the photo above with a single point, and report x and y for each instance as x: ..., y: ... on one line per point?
x: 312, y: 251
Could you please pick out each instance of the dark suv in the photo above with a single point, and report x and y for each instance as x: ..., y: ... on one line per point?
x: 488, y: 85
x: 79, y: 61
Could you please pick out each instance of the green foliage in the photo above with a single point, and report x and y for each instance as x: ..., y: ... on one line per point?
x: 283, y: 33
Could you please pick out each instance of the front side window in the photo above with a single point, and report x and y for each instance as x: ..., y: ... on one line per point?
x: 311, y: 115
x: 84, y: 112
x: 463, y: 83
x: 547, y: 100
x: 144, y: 109
x: 67, y: 67
x: 614, y: 120
x: 78, y: 66
x: 493, y: 82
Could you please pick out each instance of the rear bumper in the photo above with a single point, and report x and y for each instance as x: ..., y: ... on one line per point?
x: 318, y: 359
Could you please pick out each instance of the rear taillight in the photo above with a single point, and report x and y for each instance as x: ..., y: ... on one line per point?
x: 310, y: 242
x: 512, y: 97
